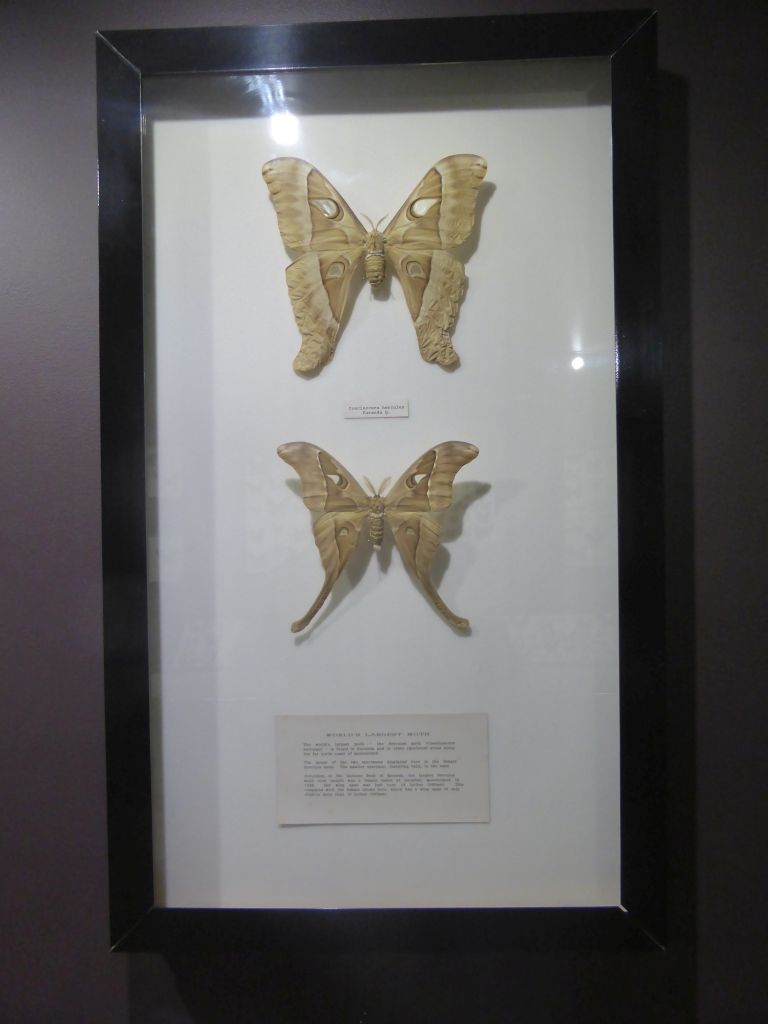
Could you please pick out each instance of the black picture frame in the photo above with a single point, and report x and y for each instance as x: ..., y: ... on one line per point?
x: 124, y: 58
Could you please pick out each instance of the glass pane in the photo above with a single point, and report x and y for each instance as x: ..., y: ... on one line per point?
x: 529, y: 547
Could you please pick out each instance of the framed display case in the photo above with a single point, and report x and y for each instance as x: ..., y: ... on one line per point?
x: 387, y: 775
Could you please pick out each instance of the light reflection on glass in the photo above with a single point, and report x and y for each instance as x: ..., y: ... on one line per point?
x: 577, y: 362
x: 269, y: 89
x: 284, y: 128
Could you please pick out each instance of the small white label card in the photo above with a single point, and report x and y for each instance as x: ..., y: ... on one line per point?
x: 337, y: 769
x: 376, y: 410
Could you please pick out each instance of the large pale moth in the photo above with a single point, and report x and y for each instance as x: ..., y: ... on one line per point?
x: 316, y: 221
x: 345, y: 508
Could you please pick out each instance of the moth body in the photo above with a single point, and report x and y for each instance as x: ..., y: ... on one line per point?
x: 374, y: 258
x: 376, y: 521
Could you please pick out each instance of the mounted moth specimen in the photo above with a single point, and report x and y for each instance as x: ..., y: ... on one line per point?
x: 344, y: 507
x: 316, y: 221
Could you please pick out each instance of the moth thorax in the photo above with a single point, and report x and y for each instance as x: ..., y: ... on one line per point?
x: 374, y: 258
x: 376, y: 524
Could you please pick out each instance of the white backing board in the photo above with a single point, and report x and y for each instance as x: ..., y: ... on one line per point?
x: 530, y: 546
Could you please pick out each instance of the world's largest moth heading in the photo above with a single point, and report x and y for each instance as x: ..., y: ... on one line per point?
x: 315, y: 220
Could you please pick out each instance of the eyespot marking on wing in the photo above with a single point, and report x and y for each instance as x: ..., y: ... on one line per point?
x: 414, y: 269
x: 332, y: 472
x: 415, y: 479
x: 421, y: 207
x: 335, y: 270
x: 328, y: 207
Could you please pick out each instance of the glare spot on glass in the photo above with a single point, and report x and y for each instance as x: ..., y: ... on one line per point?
x: 270, y: 91
x: 284, y: 128
x: 577, y: 362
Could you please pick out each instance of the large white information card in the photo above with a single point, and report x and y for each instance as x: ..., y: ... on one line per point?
x: 336, y: 769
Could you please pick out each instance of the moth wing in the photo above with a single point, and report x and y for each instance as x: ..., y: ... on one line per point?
x: 314, y: 218
x: 311, y: 213
x: 336, y: 536
x: 329, y: 488
x: 427, y: 485
x: 433, y: 283
x: 438, y: 215
x: 417, y: 537
x: 440, y: 212
x: 326, y: 485
x: 318, y: 287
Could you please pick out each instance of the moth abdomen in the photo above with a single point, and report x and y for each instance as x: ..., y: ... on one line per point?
x: 374, y: 258
x: 376, y: 528
x: 374, y: 267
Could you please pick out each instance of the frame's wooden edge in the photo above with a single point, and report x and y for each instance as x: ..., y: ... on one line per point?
x: 129, y: 784
x: 396, y: 41
x: 640, y: 477
x: 103, y: 43
x: 628, y: 38
x: 471, y: 929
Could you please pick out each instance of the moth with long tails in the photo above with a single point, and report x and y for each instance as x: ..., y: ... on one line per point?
x: 316, y: 221
x: 330, y: 489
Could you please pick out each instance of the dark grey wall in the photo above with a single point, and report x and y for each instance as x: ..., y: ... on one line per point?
x: 714, y: 174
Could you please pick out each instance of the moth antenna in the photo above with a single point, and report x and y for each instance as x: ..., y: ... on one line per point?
x: 384, y: 483
x: 370, y: 486
x: 370, y: 222
x: 380, y: 221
